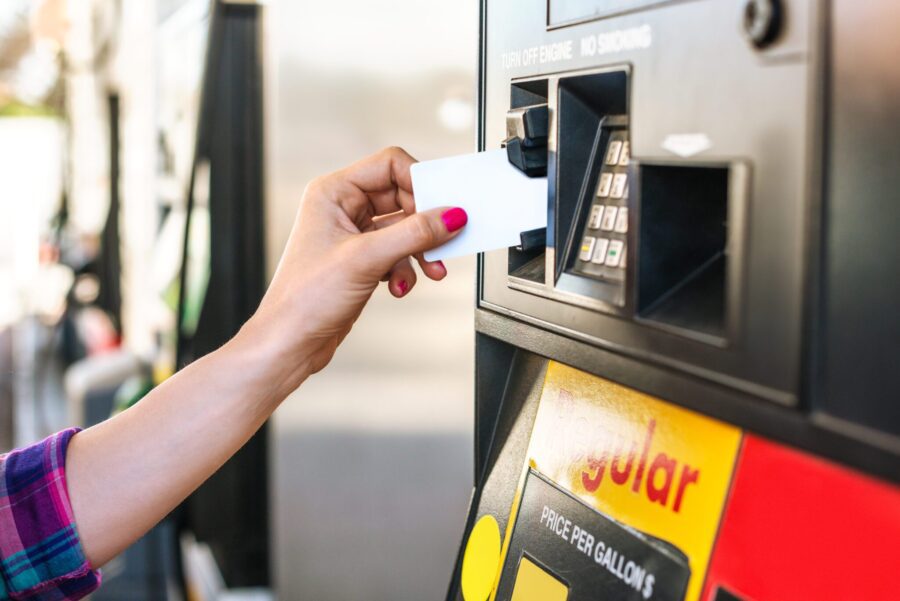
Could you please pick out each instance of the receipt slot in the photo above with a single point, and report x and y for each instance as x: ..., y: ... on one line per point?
x: 686, y: 383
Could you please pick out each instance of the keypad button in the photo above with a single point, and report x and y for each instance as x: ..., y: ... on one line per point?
x: 600, y: 251
x: 612, y: 155
x: 609, y: 218
x: 605, y: 184
x: 618, y: 186
x: 622, y: 260
x: 625, y: 155
x: 622, y: 221
x: 587, y: 248
x: 596, y: 215
x: 614, y: 253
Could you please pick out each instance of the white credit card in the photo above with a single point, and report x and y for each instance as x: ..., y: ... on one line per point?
x: 500, y: 200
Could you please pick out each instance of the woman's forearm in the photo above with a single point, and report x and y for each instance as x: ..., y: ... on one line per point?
x: 126, y: 474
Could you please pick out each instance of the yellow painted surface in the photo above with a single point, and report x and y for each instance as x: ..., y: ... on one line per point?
x: 654, y: 466
x: 481, y: 561
x: 534, y: 584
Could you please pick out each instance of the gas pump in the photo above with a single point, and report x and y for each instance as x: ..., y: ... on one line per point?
x: 685, y: 386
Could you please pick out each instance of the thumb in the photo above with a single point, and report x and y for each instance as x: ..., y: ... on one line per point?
x: 416, y: 233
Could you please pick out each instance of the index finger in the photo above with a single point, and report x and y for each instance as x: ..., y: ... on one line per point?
x: 384, y: 179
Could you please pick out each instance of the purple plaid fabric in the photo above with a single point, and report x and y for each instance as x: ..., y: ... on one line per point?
x: 40, y: 555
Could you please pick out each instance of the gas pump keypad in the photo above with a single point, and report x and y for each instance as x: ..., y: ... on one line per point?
x: 602, y: 248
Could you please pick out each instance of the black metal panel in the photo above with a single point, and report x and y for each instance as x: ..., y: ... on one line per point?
x: 545, y: 503
x: 860, y: 379
x: 492, y: 360
x: 230, y: 511
x: 514, y: 422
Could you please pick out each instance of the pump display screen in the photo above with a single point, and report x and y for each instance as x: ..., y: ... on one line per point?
x: 560, y: 12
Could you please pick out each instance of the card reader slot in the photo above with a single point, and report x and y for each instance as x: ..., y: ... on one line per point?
x: 526, y: 261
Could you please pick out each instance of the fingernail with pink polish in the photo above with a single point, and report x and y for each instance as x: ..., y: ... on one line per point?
x: 402, y: 286
x: 454, y: 219
x: 441, y: 263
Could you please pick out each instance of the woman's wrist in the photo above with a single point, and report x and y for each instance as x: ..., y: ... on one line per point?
x: 275, y: 363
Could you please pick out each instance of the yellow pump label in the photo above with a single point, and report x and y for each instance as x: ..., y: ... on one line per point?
x: 653, y: 466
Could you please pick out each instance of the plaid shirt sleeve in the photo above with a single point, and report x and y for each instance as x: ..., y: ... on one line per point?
x: 41, y: 558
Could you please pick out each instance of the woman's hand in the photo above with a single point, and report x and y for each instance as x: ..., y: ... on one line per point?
x: 355, y: 227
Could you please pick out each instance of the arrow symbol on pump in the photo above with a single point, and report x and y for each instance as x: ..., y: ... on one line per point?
x: 687, y: 145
